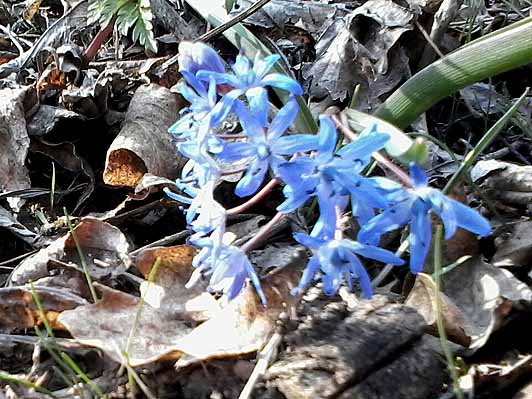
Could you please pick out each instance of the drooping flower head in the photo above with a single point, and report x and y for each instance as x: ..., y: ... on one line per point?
x: 265, y: 147
x: 338, y: 260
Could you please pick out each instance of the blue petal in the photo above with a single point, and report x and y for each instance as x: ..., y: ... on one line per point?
x: 371, y: 252
x: 262, y: 66
x: 360, y: 272
x: 391, y: 219
x: 196, y: 84
x: 308, y: 241
x: 469, y: 219
x: 242, y: 65
x: 327, y: 138
x: 259, y: 104
x: 251, y: 127
x: 224, y: 107
x: 252, y: 180
x: 289, y: 145
x: 195, y: 56
x: 419, y: 238
x: 312, y: 267
x: 419, y: 177
x: 254, y: 279
x: 448, y: 218
x: 363, y: 147
x: 233, y: 152
x: 283, y: 82
x: 283, y: 119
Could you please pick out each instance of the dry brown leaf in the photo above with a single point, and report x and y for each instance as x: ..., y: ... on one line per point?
x: 485, y: 295
x: 143, y: 144
x: 18, y: 309
x: 361, y: 49
x: 14, y: 140
x: 163, y: 333
x: 514, y: 246
x: 104, y: 246
x: 169, y: 283
x: 423, y: 299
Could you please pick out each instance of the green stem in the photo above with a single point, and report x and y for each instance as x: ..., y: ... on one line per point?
x: 491, y: 55
x: 438, y: 239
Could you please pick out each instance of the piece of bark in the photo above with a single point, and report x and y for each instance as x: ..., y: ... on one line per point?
x: 378, y: 350
x: 144, y: 144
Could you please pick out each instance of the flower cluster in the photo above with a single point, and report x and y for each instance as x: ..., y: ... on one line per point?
x: 311, y: 166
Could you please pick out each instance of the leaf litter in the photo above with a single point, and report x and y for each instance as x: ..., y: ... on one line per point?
x: 102, y: 120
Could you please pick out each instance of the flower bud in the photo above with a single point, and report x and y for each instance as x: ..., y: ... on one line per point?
x: 195, y: 56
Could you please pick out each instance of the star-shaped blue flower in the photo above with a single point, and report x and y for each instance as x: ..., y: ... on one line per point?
x: 338, y: 260
x: 414, y: 207
x: 251, y: 79
x: 265, y: 147
x: 331, y: 174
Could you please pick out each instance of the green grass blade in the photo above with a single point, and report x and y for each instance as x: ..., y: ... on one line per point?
x: 88, y: 276
x: 472, y: 156
x: 438, y: 244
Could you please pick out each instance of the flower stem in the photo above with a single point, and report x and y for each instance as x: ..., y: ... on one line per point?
x: 439, y: 311
x: 255, y: 199
x: 381, y: 159
x: 263, y: 233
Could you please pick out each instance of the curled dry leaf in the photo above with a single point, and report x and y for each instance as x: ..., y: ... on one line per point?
x: 143, y: 144
x: 504, y: 183
x: 361, y: 50
x: 104, y: 246
x: 485, y: 295
x: 14, y: 139
x: 168, y: 331
x: 514, y: 245
x: 423, y: 299
x: 18, y: 309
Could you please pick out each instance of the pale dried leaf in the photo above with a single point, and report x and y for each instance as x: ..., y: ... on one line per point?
x: 105, y: 249
x: 485, y: 295
x: 143, y: 144
x: 423, y: 299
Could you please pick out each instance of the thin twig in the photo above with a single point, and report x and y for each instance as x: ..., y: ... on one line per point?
x: 381, y: 159
x: 255, y: 199
x: 265, y: 357
x: 233, y: 21
x: 221, y: 28
x: 263, y: 233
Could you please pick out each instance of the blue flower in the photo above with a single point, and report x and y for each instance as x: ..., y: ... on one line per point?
x: 196, y: 56
x: 228, y: 266
x: 414, y: 206
x: 251, y: 80
x: 332, y: 175
x: 338, y: 260
x: 265, y: 147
